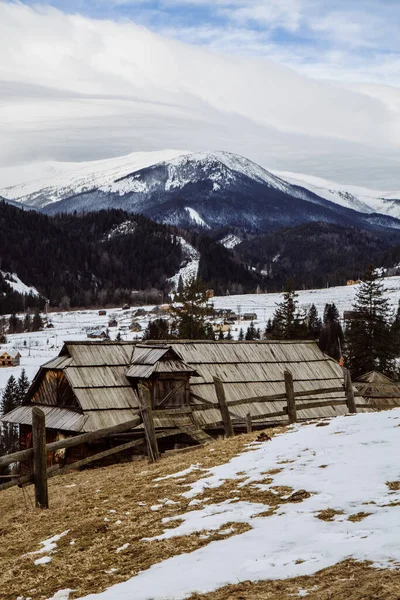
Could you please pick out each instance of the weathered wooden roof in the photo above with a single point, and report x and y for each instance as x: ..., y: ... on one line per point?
x: 147, y: 360
x: 56, y: 417
x: 377, y: 389
x: 254, y: 369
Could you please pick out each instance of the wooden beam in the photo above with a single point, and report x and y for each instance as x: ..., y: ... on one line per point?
x: 249, y: 427
x: 290, y: 399
x: 272, y: 415
x: 307, y: 405
x: 148, y: 422
x: 351, y: 405
x: 39, y: 458
x: 226, y: 417
x: 204, y: 401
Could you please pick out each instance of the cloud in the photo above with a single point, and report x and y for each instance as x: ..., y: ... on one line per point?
x: 77, y: 88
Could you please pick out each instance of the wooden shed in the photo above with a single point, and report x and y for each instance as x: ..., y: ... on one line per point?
x: 378, y: 391
x: 9, y: 358
x: 94, y: 385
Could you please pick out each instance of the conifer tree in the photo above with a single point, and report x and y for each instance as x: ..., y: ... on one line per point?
x: 157, y: 330
x: 37, y: 322
x: 331, y: 338
x: 287, y: 323
x: 251, y: 332
x: 220, y: 334
x: 241, y: 335
x: 23, y: 385
x: 369, y: 343
x: 191, y: 315
x: 229, y: 335
x: 313, y: 323
x: 27, y: 322
x: 9, y: 401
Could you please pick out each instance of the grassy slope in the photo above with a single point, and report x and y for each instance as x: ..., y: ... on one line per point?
x: 80, y: 503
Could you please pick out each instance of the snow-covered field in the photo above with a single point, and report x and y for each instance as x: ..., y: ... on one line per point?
x: 349, y: 467
x: 37, y: 348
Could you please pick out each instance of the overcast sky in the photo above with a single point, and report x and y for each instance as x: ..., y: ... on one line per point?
x: 309, y: 86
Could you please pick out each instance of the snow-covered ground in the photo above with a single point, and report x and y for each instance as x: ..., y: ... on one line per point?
x: 36, y: 348
x: 358, y: 484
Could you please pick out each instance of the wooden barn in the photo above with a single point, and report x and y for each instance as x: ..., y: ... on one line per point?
x: 9, y: 358
x: 94, y: 385
x: 378, y: 391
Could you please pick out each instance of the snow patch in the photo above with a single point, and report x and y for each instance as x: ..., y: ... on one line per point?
x: 17, y: 285
x: 196, y: 218
x: 230, y: 241
x: 190, y: 269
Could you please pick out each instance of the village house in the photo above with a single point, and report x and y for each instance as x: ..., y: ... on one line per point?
x: 92, y: 385
x: 9, y: 358
x: 250, y: 316
x: 113, y: 323
x: 378, y: 390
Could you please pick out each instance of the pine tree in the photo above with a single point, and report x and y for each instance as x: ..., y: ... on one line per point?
x: 395, y: 331
x: 220, y: 334
x: 157, y: 330
x: 23, y: 385
x: 190, y: 316
x: 37, y: 322
x: 331, y: 338
x: 118, y: 337
x: 229, y: 335
x: 241, y: 335
x: 27, y: 322
x: 287, y: 323
x: 9, y: 401
x: 313, y: 323
x: 251, y: 332
x: 369, y: 343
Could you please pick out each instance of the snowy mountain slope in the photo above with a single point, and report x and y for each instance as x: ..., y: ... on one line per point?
x: 355, y: 197
x: 48, y: 182
x: 17, y: 285
x: 207, y: 189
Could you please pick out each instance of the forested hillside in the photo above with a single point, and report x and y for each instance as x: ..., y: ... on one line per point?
x: 99, y: 258
x: 317, y: 254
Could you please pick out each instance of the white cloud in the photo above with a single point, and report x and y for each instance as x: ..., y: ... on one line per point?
x: 75, y: 88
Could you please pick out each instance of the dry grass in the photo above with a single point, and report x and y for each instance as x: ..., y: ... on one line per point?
x: 393, y: 485
x: 358, y: 517
x: 81, y: 503
x: 328, y: 514
x: 348, y: 580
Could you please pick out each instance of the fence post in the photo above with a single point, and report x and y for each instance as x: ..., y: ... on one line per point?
x: 290, y: 399
x: 226, y: 417
x: 351, y: 404
x: 248, y: 423
x: 39, y: 458
x: 148, y: 423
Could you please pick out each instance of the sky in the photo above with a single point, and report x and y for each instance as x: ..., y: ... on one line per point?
x: 308, y: 86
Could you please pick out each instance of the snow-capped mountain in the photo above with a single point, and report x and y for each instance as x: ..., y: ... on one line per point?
x: 202, y: 189
x: 355, y: 197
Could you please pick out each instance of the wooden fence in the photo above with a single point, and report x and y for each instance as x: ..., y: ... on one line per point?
x: 38, y: 453
x: 290, y: 396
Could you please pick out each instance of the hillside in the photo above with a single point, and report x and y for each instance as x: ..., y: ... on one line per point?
x: 99, y: 258
x: 316, y: 254
x: 313, y: 512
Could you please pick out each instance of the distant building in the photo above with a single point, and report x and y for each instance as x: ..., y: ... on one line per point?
x: 10, y: 358
x: 353, y: 282
x: 97, y: 334
x: 102, y: 313
x: 125, y: 307
x: 250, y: 316
x: 209, y: 294
x: 113, y: 323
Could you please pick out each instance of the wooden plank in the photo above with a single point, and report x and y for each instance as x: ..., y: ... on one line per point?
x: 172, y: 412
x: 226, y: 417
x: 272, y: 415
x: 148, y: 422
x: 290, y: 399
x: 307, y: 405
x: 378, y: 406
x: 351, y: 405
x: 26, y: 479
x: 249, y: 427
x: 39, y: 458
x: 56, y: 470
x: 204, y: 401
x: 172, y: 392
